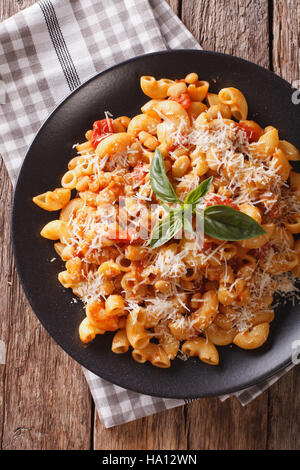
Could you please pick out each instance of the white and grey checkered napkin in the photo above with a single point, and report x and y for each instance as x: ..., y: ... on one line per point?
x: 48, y: 50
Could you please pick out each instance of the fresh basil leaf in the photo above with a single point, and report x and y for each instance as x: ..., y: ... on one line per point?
x: 225, y: 223
x: 167, y: 208
x: 198, y: 194
x: 166, y: 228
x: 160, y: 183
x: 187, y: 215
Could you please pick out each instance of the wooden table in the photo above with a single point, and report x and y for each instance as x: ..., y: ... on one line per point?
x: 44, y: 399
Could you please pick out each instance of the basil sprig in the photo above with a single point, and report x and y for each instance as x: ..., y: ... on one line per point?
x: 219, y: 221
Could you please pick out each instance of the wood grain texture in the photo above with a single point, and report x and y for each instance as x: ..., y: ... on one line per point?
x: 10, y: 7
x: 44, y: 400
x: 286, y: 39
x: 284, y: 398
x: 6, y: 287
x: 213, y: 425
x: 284, y: 413
x: 175, y: 5
x: 238, y: 27
x: 164, y: 430
x: 146, y: 433
x: 241, y: 28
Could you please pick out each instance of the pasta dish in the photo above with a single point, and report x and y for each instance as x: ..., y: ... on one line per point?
x: 177, y: 225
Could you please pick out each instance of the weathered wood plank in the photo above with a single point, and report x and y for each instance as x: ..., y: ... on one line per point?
x: 164, y: 430
x: 284, y: 413
x: 10, y: 7
x: 213, y: 425
x: 44, y: 399
x: 175, y: 5
x: 145, y: 433
x: 241, y: 28
x: 284, y: 399
x: 45, y: 402
x: 286, y: 32
x: 237, y: 27
x: 5, y: 277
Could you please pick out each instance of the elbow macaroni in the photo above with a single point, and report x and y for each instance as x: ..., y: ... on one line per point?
x: 177, y: 298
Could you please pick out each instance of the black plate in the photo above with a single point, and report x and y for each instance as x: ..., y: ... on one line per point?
x: 118, y: 91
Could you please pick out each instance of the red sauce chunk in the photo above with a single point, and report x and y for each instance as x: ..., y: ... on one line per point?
x: 139, y: 265
x: 183, y: 99
x: 139, y: 174
x: 216, y: 199
x: 173, y: 147
x: 260, y: 253
x: 101, y: 130
x: 124, y: 236
x: 206, y: 245
x: 252, y: 134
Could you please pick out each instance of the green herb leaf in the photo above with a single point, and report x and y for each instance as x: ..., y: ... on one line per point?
x: 167, y: 208
x: 166, y: 228
x: 198, y: 194
x: 187, y: 217
x: 225, y: 223
x: 160, y: 183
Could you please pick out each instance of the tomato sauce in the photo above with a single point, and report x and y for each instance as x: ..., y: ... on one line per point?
x: 124, y: 236
x: 260, y: 253
x: 101, y: 130
x: 216, y: 199
x: 139, y: 174
x: 252, y: 134
x: 183, y: 99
